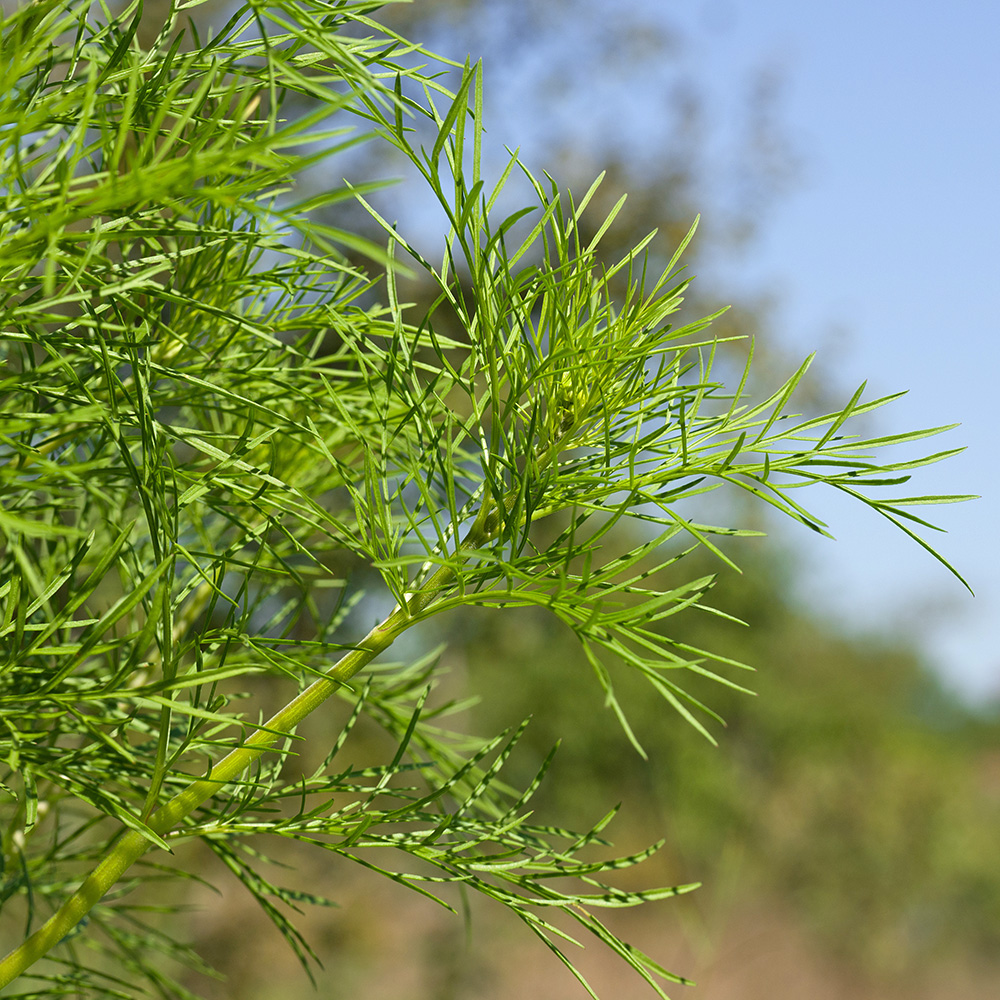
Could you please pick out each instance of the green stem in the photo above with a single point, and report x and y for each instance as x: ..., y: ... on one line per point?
x: 132, y: 844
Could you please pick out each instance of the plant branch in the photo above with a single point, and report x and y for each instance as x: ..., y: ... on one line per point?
x: 134, y: 843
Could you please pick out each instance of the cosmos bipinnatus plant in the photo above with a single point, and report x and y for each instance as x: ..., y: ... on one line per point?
x: 218, y: 419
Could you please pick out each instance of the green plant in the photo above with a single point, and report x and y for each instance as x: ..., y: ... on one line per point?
x: 214, y: 426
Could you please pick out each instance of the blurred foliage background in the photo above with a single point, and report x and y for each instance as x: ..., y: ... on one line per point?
x: 847, y: 827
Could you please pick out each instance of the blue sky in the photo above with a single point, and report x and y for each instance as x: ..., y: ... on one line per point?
x: 884, y: 255
x: 892, y: 242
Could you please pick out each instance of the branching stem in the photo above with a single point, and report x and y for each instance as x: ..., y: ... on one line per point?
x: 133, y: 844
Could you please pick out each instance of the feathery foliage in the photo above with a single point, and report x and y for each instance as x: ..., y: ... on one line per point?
x: 213, y: 425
